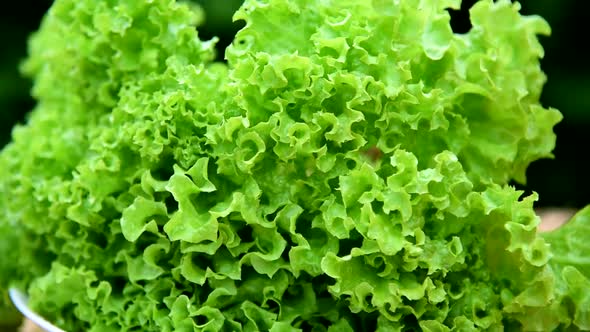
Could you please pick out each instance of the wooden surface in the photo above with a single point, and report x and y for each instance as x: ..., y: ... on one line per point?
x: 553, y: 218
x: 29, y: 326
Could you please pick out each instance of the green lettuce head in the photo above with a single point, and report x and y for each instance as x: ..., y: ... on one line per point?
x: 347, y: 169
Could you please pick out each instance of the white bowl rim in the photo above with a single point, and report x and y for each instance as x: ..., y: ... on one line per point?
x: 20, y: 301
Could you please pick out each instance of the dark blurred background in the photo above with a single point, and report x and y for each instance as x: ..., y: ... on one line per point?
x: 563, y: 181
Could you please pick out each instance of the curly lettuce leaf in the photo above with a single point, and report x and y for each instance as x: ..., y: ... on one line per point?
x: 346, y: 170
x: 570, y: 261
x: 568, y: 243
x: 350, y: 74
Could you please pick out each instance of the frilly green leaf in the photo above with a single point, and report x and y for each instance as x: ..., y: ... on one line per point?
x: 347, y: 169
